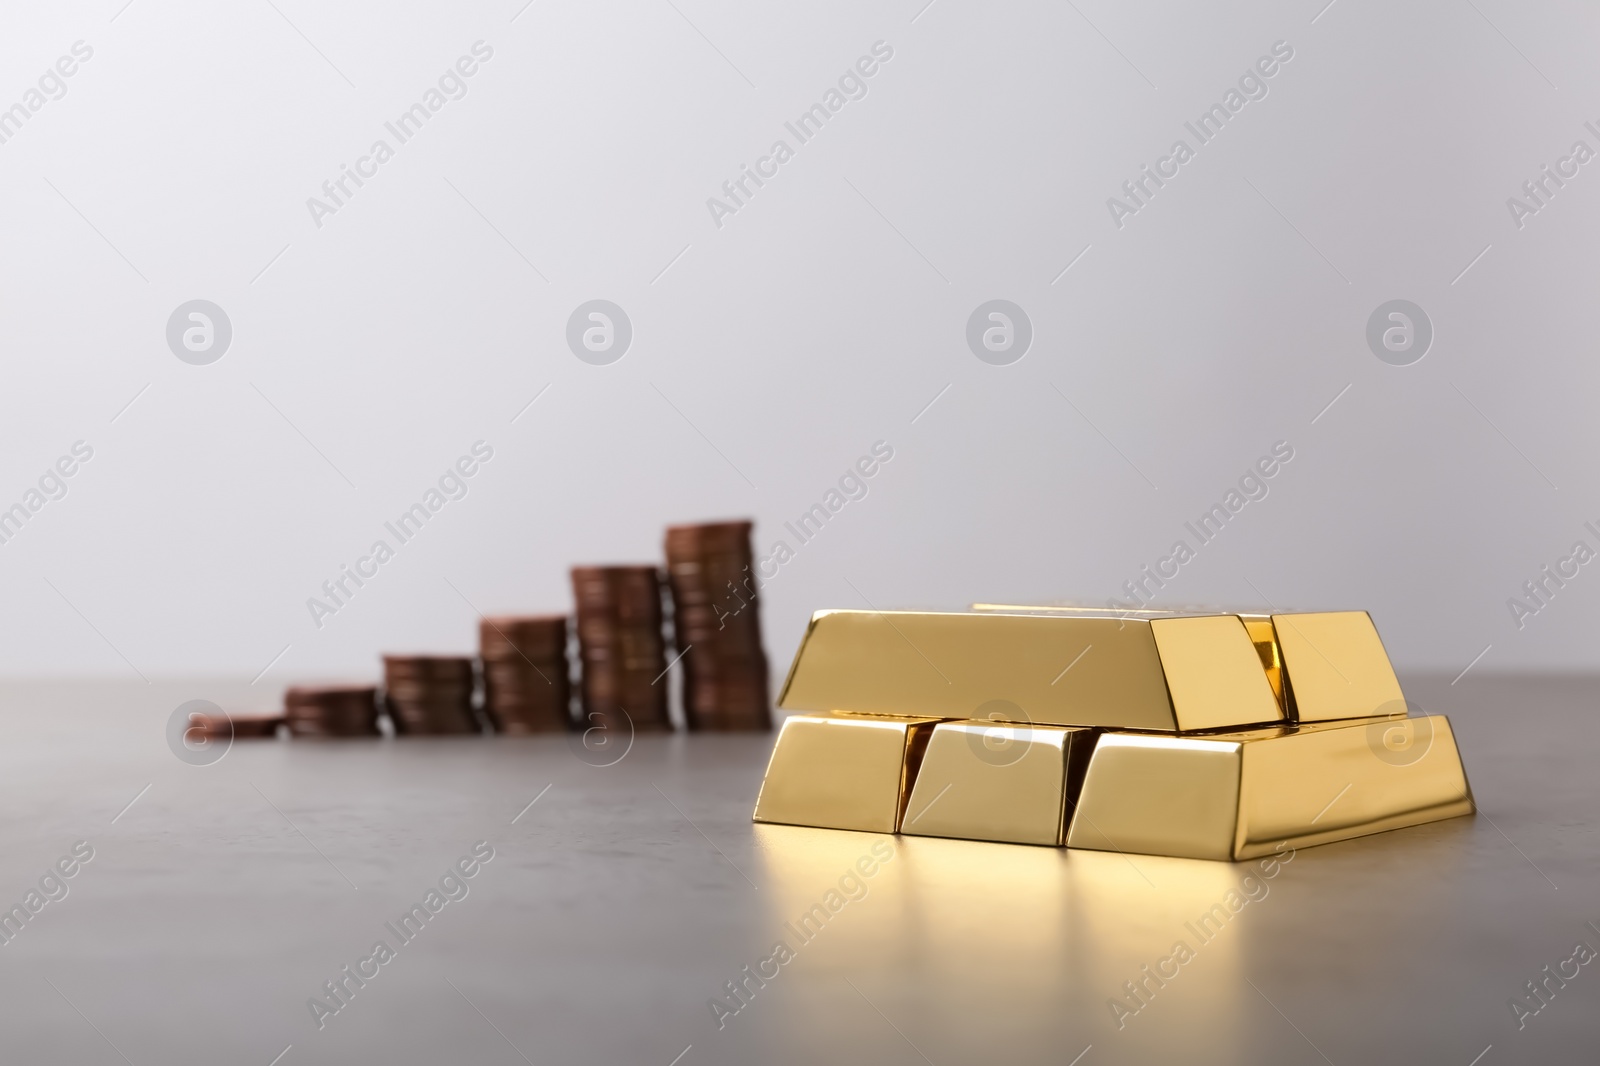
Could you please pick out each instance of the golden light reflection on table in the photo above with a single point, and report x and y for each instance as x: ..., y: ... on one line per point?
x: 1002, y: 924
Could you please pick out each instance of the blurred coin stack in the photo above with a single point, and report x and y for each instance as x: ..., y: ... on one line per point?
x: 429, y: 693
x: 715, y: 613
x: 331, y: 711
x: 621, y: 646
x: 526, y: 684
x: 246, y: 725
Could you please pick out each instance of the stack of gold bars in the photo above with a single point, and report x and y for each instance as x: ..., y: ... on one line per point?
x: 1199, y: 735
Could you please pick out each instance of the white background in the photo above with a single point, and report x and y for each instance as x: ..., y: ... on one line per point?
x: 774, y: 350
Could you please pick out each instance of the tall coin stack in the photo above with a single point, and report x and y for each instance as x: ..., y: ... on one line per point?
x: 429, y: 693
x: 717, y: 626
x: 526, y: 685
x: 331, y: 711
x: 621, y: 646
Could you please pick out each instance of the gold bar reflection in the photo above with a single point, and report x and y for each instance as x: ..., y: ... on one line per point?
x: 992, y: 781
x: 1166, y: 674
x: 1006, y: 929
x: 843, y: 771
x: 1241, y: 795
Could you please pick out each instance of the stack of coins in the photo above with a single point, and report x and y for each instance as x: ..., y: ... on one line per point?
x: 332, y: 711
x: 621, y: 646
x: 247, y: 725
x: 429, y: 693
x: 241, y: 726
x: 717, y: 626
x: 526, y: 685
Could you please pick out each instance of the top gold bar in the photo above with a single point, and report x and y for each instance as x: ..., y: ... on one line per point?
x: 1335, y: 666
x: 1105, y: 669
x: 1323, y: 666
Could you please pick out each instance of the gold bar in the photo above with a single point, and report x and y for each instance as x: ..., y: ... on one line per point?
x: 1242, y: 795
x: 1322, y: 666
x: 991, y: 781
x: 1335, y: 667
x: 1165, y: 673
x: 843, y: 771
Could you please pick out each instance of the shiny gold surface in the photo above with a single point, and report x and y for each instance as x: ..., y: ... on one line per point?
x: 1259, y: 626
x: 993, y: 781
x: 1342, y: 667
x: 1080, y: 611
x: 1336, y: 666
x: 1265, y: 638
x: 1165, y: 674
x: 1214, y: 672
x: 1242, y: 795
x: 842, y: 771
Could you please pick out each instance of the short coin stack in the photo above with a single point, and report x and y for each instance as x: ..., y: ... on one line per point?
x: 526, y: 684
x: 621, y: 646
x: 429, y: 693
x: 717, y: 627
x: 331, y: 710
x: 238, y: 726
x: 1203, y: 735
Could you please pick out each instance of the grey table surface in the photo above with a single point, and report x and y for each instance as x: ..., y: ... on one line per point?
x: 618, y: 906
